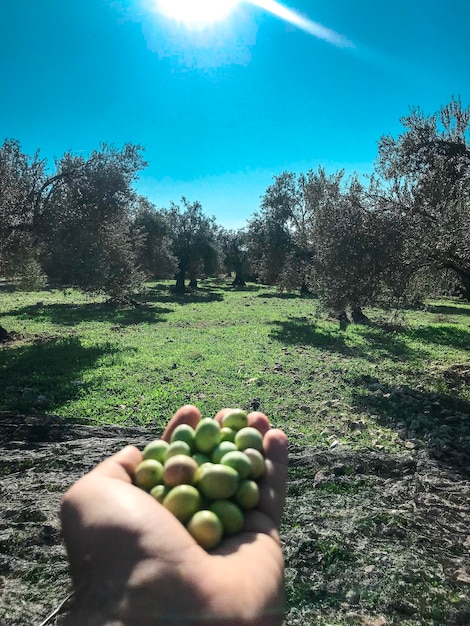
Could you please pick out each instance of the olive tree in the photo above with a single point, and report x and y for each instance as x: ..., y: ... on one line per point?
x: 21, y: 180
x: 153, y: 241
x: 193, y: 238
x: 425, y: 180
x: 84, y: 221
x: 322, y: 233
x: 234, y: 253
x: 358, y: 252
x: 280, y: 234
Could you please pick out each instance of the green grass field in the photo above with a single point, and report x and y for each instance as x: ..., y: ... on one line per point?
x: 375, y: 528
x: 79, y: 358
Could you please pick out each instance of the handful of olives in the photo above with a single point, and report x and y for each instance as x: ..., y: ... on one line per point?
x: 207, y: 476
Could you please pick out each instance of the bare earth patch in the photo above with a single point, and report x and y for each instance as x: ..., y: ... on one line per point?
x: 369, y: 538
x: 372, y: 538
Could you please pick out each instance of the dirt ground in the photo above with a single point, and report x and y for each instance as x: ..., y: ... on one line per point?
x: 369, y: 538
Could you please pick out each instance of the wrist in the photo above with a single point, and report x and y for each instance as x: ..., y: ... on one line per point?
x: 87, y: 610
x: 143, y: 597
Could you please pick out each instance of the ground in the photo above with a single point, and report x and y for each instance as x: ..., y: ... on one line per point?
x: 369, y: 538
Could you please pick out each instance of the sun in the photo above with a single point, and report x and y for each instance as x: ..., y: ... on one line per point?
x: 196, y: 13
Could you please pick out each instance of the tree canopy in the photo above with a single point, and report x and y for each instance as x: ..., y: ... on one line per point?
x: 403, y: 234
x: 425, y: 175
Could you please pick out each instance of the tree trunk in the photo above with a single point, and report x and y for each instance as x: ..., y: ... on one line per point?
x: 238, y: 281
x: 344, y: 320
x: 358, y: 316
x: 180, y: 278
x: 464, y: 278
x: 4, y: 336
x: 465, y: 285
x: 193, y: 283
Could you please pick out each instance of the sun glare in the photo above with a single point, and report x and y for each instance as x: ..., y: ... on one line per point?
x: 196, y: 13
x: 199, y: 14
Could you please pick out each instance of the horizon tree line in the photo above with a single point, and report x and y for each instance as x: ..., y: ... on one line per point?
x: 398, y: 237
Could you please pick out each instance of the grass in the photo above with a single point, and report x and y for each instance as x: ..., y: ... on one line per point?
x: 389, y: 387
x: 79, y: 358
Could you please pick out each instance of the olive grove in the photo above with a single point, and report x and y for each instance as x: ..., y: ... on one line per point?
x: 395, y: 237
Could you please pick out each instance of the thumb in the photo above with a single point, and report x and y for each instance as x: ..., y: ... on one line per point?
x: 121, y: 465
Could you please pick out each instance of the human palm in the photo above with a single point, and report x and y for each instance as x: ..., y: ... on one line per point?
x: 134, y: 564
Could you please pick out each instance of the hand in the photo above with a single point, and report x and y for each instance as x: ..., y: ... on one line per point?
x: 134, y: 564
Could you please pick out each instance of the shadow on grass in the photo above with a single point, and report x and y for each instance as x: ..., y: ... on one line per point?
x: 226, y: 284
x: 46, y: 374
x: 201, y: 295
x: 7, y: 287
x: 390, y: 344
x: 73, y: 314
x: 448, y: 310
x: 298, y: 330
x: 442, y: 335
x: 437, y: 421
x: 283, y: 296
x: 249, y: 287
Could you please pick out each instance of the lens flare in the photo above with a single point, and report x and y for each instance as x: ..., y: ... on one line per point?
x: 304, y: 23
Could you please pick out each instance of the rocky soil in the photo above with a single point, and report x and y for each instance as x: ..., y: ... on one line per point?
x: 369, y: 538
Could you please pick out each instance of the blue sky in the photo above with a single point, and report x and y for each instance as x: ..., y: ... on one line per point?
x: 220, y: 110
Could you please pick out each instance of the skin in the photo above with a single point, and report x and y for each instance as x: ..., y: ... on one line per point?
x: 134, y: 564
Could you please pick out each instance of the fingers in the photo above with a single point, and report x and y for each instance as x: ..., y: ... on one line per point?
x: 259, y: 421
x: 274, y: 480
x: 187, y: 414
x: 220, y: 415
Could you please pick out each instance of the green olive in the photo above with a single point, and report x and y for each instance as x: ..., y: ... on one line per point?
x: 220, y: 450
x: 235, y: 418
x: 177, y: 447
x: 206, y: 528
x: 156, y: 450
x: 247, y: 495
x: 183, y: 501
x: 183, y: 432
x: 249, y: 437
x: 257, y: 462
x: 217, y: 481
x: 230, y: 515
x: 227, y: 434
x: 148, y: 474
x: 159, y: 492
x: 180, y: 469
x: 239, y: 461
x: 207, y: 435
